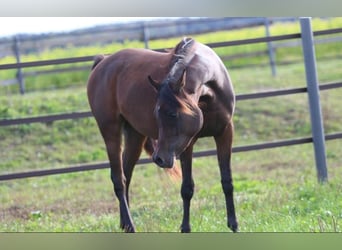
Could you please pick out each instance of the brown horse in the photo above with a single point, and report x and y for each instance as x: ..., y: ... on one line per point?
x: 172, y: 97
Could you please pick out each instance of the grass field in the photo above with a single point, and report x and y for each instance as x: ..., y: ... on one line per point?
x: 276, y: 190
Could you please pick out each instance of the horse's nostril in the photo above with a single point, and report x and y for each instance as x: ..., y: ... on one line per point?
x: 159, y: 161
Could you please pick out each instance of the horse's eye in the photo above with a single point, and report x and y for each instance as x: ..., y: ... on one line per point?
x: 171, y: 114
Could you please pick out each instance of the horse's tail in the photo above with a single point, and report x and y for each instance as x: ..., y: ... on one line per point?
x: 97, y: 60
x: 175, y: 172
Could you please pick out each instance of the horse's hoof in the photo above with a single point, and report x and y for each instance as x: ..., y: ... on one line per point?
x: 185, y: 229
x: 127, y: 228
x: 233, y: 226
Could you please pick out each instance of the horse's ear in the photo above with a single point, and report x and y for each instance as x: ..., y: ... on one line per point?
x: 154, y: 83
x: 179, y: 83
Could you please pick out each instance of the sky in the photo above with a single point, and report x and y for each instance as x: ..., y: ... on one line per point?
x: 35, y: 25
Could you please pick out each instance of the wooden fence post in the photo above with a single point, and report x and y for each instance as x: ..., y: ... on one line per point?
x: 314, y: 101
x: 19, y: 74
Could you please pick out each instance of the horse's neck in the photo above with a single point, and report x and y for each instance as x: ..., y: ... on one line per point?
x: 194, y: 92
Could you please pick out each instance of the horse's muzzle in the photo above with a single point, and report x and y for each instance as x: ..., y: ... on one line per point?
x: 163, y: 162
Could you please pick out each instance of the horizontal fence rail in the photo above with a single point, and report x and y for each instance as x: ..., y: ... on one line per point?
x: 47, y: 62
x: 103, y: 165
x: 46, y: 118
x: 212, y: 45
x: 77, y: 115
x: 84, y: 114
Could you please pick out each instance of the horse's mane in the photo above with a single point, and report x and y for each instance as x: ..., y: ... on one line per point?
x: 181, y: 55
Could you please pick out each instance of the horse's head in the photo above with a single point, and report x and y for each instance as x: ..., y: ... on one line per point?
x: 179, y: 118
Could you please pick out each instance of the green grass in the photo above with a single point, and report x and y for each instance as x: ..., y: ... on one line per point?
x: 271, y: 196
x: 276, y: 190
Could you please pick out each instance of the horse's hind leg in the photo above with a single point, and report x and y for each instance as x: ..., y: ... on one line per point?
x: 134, y: 142
x: 111, y: 132
x: 224, y: 149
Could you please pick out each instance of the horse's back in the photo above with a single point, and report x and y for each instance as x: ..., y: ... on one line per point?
x: 118, y: 86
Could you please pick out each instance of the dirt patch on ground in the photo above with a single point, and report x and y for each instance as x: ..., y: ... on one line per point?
x: 19, y: 212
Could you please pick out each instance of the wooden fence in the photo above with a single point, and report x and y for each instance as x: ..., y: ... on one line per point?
x: 79, y: 115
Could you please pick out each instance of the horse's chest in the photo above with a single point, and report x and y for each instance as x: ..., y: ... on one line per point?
x: 136, y: 105
x: 215, y: 119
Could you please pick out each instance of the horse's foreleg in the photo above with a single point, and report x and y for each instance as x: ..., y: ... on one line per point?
x: 187, y: 189
x: 224, y: 149
x: 134, y: 142
x: 111, y: 133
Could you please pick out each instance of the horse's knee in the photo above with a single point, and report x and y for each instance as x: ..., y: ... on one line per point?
x: 187, y: 190
x: 227, y: 187
x: 119, y: 186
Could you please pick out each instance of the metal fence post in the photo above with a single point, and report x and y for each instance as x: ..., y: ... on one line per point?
x: 270, y: 48
x: 19, y: 75
x: 146, y: 35
x: 314, y: 100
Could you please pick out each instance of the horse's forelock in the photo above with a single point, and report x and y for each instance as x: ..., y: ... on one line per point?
x: 185, y: 104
